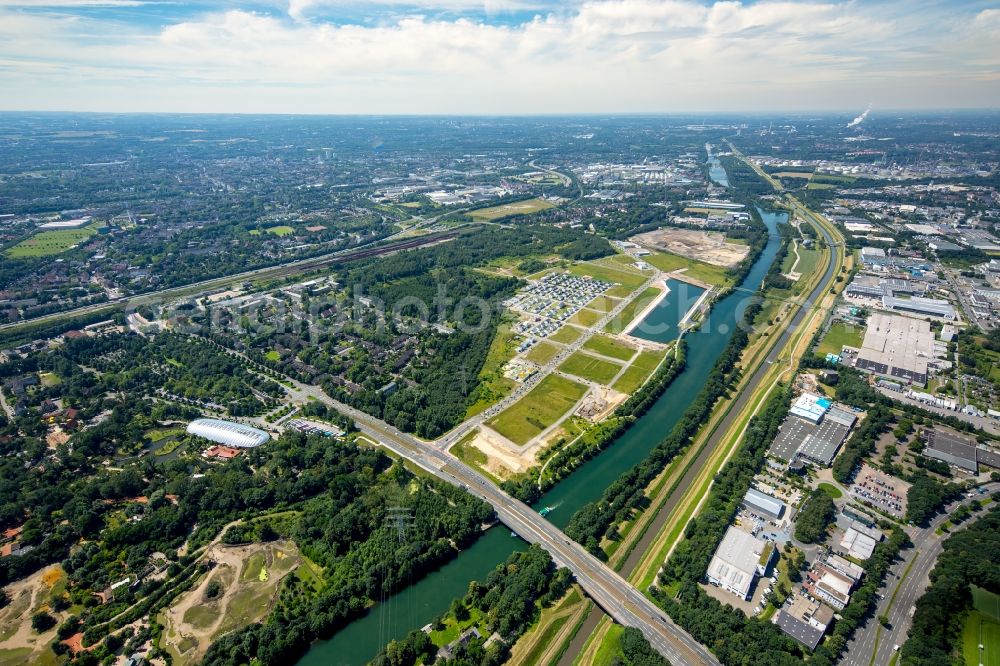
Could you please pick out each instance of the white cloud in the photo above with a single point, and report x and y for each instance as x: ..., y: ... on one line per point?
x: 602, y: 55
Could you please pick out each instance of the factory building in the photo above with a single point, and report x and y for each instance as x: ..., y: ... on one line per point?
x: 763, y: 504
x: 738, y: 560
x: 897, y: 347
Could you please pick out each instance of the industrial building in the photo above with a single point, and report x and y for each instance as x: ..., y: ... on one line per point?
x: 65, y: 224
x: 763, y: 504
x: 228, y: 433
x: 810, y: 407
x: 897, y: 347
x: 802, y: 438
x: 738, y: 560
x: 859, y: 541
x: 804, y: 620
x: 959, y: 451
x: 925, y: 307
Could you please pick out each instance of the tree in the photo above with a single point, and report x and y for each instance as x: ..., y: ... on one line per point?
x: 815, y: 517
x: 42, y: 622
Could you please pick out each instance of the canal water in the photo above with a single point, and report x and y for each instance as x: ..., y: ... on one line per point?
x: 421, y: 602
x: 715, y: 169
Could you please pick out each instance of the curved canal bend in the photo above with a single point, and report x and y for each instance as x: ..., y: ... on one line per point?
x: 421, y: 602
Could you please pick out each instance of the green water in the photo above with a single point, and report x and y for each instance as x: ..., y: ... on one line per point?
x: 424, y: 600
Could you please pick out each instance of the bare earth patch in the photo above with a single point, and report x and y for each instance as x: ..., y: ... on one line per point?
x: 708, y: 246
x: 250, y: 577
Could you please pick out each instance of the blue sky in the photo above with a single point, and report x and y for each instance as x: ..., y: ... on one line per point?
x: 498, y: 56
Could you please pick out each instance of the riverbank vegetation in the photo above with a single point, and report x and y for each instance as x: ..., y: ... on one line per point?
x: 480, y: 627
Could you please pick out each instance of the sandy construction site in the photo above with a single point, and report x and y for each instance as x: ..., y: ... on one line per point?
x: 708, y: 246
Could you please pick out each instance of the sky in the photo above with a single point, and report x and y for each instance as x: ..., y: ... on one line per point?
x: 497, y: 56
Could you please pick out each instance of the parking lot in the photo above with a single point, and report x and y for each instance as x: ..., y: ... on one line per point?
x: 880, y: 490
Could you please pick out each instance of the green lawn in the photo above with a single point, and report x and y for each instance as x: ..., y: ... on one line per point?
x: 541, y: 407
x: 272, y: 355
x: 629, y: 312
x: 609, y: 347
x: 831, y: 490
x: 626, y: 278
x: 585, y: 318
x: 631, y: 379
x: 49, y: 243
x: 840, y: 334
x: 603, y: 303
x: 980, y: 629
x: 699, y: 270
x: 506, y: 210
x: 542, y: 353
x: 49, y: 379
x: 637, y: 373
x: 590, y: 367
x: 567, y: 335
x: 281, y: 230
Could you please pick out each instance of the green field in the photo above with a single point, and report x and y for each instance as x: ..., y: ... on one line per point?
x: 543, y: 406
x: 49, y: 243
x: 280, y: 230
x: 981, y: 629
x: 272, y: 355
x: 699, y: 270
x: 840, y: 334
x: 542, y: 353
x: 603, y: 303
x: 831, y: 490
x: 590, y: 367
x: 493, y: 386
x: 628, y: 279
x: 629, y: 312
x: 637, y: 373
x: 606, y: 346
x: 506, y: 210
x: 585, y: 318
x: 566, y: 335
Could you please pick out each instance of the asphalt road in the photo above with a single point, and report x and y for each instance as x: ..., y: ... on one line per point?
x: 927, y: 546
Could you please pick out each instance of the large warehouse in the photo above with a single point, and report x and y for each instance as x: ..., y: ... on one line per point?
x: 228, y: 433
x: 897, y: 347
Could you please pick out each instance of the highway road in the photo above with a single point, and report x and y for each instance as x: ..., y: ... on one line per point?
x: 927, y: 546
x: 625, y: 604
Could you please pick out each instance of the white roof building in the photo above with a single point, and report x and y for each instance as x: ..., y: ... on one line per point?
x: 810, y: 407
x: 738, y: 560
x: 228, y: 433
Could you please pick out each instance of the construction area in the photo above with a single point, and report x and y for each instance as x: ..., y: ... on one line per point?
x: 708, y: 246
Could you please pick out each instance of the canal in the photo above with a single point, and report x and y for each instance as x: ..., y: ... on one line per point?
x: 429, y: 597
x: 715, y: 169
